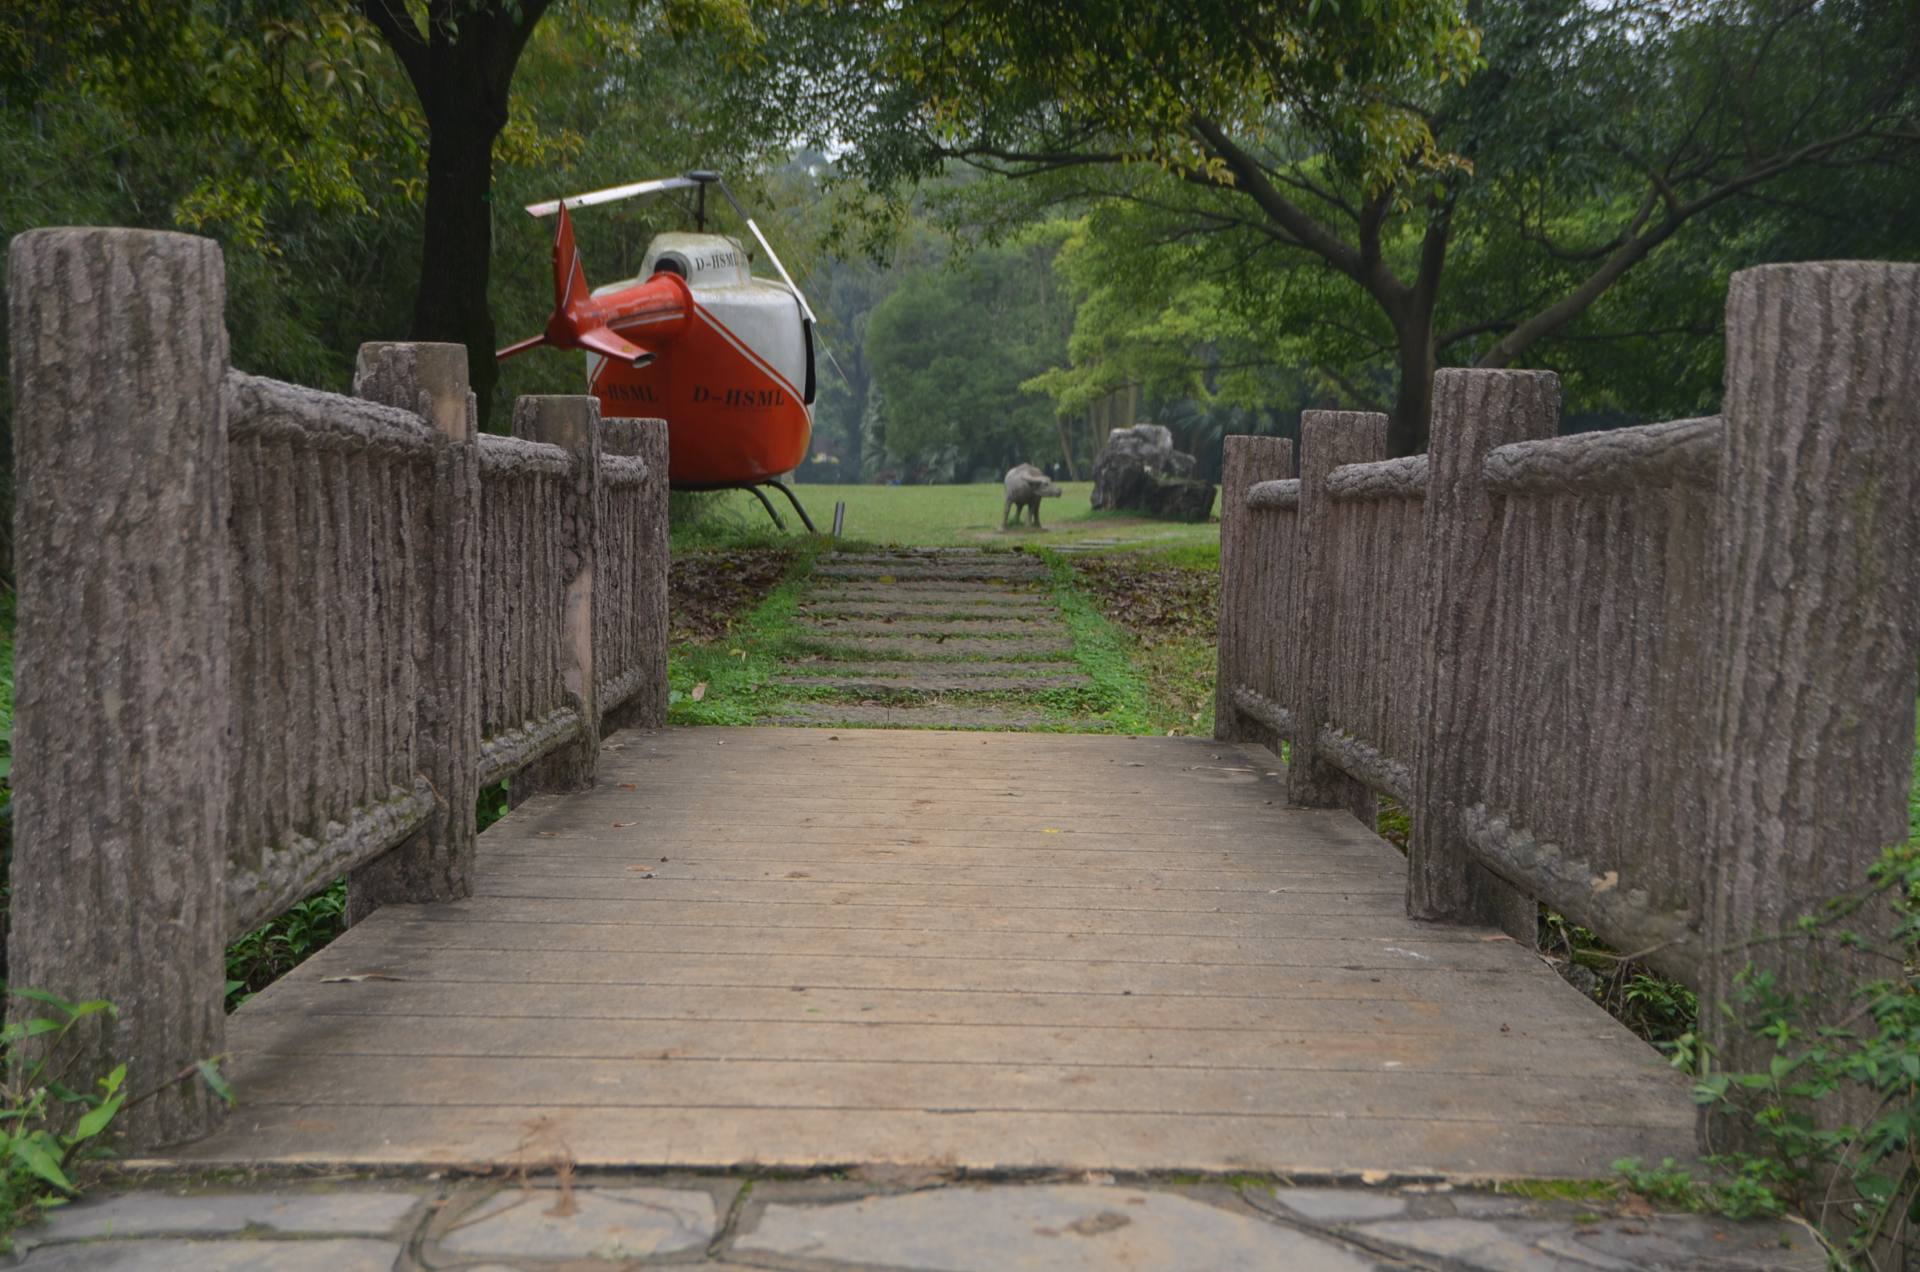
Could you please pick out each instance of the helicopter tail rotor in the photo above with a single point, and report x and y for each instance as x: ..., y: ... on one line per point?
x: 569, y: 287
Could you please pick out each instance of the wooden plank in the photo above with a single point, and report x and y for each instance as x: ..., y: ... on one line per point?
x: 787, y: 944
x: 1311, y: 897
x: 1367, y: 977
x: 1310, y: 1146
x: 1081, y: 874
x: 1356, y: 923
x: 867, y: 947
x: 1260, y: 1052
x: 583, y: 852
x: 645, y: 1081
x: 1572, y: 1025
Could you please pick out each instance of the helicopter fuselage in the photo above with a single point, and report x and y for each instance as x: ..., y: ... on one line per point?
x: 732, y: 372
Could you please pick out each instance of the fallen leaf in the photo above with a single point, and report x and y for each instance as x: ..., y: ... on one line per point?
x: 626, y: 786
x: 1499, y: 936
x: 624, y: 825
x: 356, y: 978
x: 699, y: 691
x: 1049, y: 831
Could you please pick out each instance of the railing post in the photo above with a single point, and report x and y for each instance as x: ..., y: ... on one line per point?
x: 1817, y: 626
x: 573, y: 424
x: 122, y: 775
x: 436, y: 863
x: 1328, y: 439
x: 1473, y: 412
x: 1245, y: 641
x: 647, y: 708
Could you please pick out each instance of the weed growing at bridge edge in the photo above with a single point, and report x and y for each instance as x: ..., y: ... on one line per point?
x: 1831, y: 1125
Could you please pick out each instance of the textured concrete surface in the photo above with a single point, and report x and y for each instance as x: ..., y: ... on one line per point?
x: 879, y: 1218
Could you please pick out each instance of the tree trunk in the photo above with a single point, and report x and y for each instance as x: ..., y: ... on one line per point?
x: 1413, y: 402
x: 457, y: 246
x: 1066, y: 447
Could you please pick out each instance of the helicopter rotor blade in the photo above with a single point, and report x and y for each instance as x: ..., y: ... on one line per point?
x: 787, y: 278
x: 612, y: 194
x: 773, y: 256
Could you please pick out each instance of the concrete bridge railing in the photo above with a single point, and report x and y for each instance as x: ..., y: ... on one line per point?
x: 1662, y: 679
x: 269, y: 636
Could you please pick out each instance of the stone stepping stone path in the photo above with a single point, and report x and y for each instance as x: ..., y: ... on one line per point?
x: 934, y: 638
x: 900, y: 1218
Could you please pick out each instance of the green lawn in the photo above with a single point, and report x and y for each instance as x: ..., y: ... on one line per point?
x: 951, y: 516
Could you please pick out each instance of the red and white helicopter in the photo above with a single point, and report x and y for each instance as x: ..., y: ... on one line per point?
x: 725, y: 358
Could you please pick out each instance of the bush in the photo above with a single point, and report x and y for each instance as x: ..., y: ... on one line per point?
x: 46, y: 1127
x: 1857, y: 1180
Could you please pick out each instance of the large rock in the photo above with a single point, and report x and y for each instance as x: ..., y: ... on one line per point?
x: 1139, y: 471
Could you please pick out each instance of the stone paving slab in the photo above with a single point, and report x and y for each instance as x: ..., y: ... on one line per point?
x: 984, y: 571
x: 919, y: 715
x: 879, y: 610
x: 890, y: 668
x: 934, y: 593
x: 356, y: 1254
x: 348, y: 1212
x: 1673, y: 1242
x: 1043, y: 624
x: 578, y: 1223
x: 1083, y: 1228
x: 900, y: 1218
x: 926, y: 680
x: 895, y: 646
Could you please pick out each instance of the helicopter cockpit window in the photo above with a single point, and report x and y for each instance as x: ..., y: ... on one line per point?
x: 670, y: 265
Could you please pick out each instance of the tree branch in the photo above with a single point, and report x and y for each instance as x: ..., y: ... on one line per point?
x: 1311, y: 235
x: 1634, y: 250
x: 408, y: 45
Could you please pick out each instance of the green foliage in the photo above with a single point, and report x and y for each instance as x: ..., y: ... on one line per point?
x: 494, y: 803
x: 1747, y: 1189
x: 1575, y: 203
x: 1020, y: 74
x: 49, y: 1130
x: 951, y: 349
x: 46, y: 1127
x: 731, y: 681
x: 1857, y: 1177
x: 1662, y: 1011
x: 281, y: 944
x: 1103, y: 651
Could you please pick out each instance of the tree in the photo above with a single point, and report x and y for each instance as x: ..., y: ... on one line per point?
x: 950, y: 349
x: 1165, y: 317
x: 1594, y: 134
x: 460, y: 56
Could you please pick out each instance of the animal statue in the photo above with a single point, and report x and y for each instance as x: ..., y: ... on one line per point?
x: 1026, y: 487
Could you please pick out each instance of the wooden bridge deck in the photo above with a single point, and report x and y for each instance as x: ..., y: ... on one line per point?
x: 800, y: 948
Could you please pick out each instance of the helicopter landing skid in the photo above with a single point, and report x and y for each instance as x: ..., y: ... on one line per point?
x: 753, y: 488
